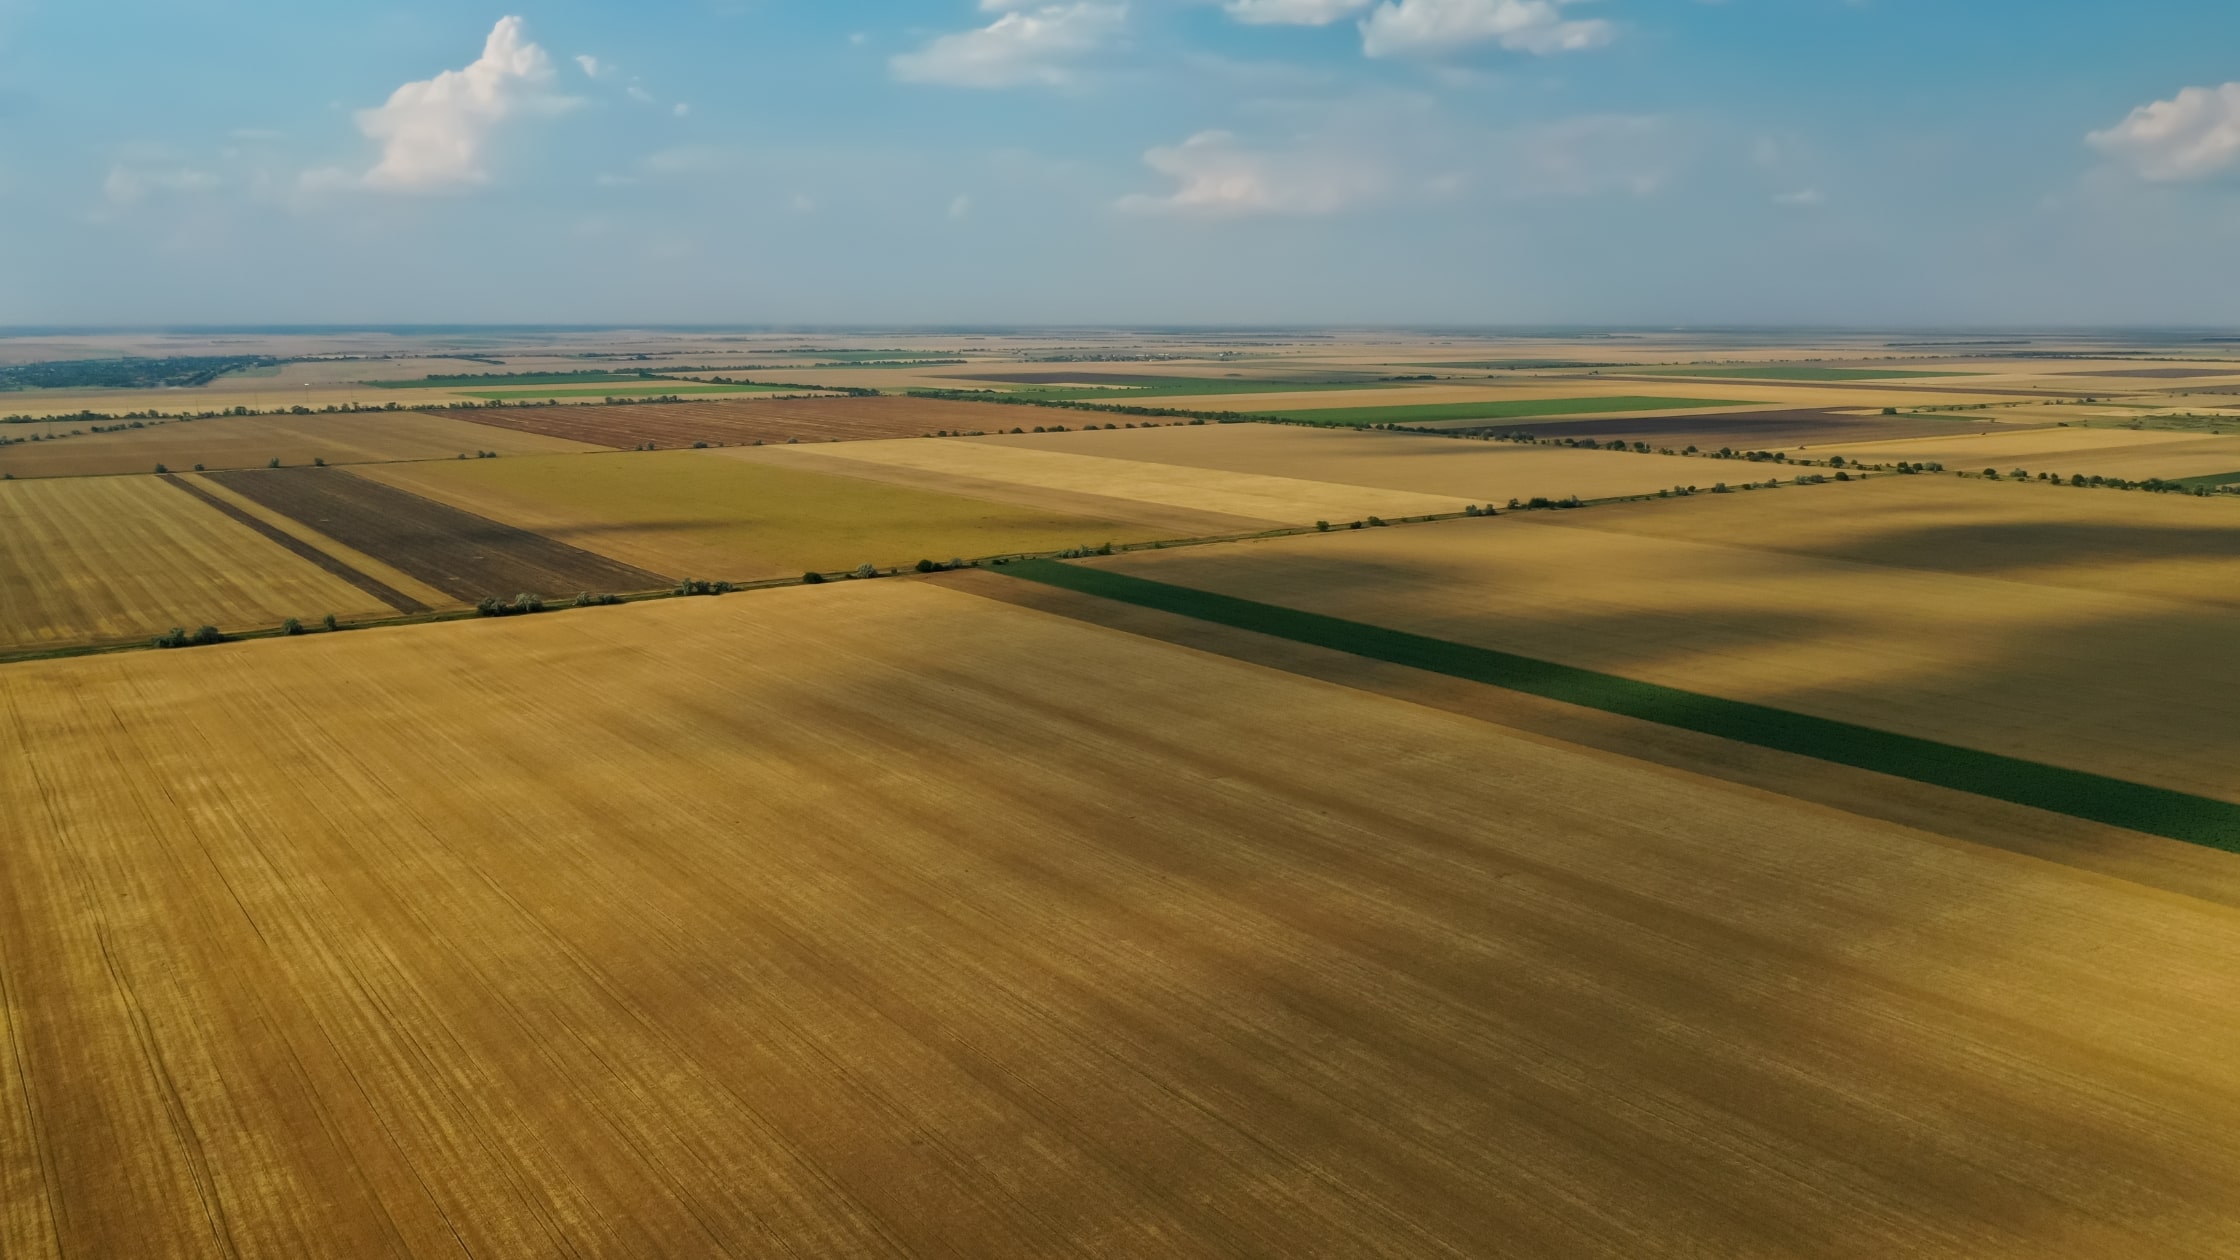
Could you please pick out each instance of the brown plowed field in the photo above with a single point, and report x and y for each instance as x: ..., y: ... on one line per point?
x: 772, y: 421
x: 463, y: 555
x: 882, y: 919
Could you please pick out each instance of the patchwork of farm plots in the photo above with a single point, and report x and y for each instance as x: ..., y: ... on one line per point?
x: 1363, y: 464
x: 707, y: 514
x: 254, y: 441
x: 2132, y: 454
x: 775, y: 420
x: 2133, y: 686
x: 886, y: 919
x: 118, y: 559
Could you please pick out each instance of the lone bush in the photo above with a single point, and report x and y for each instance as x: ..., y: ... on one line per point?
x: 274, y: 462
x: 328, y: 622
x: 927, y: 566
x: 866, y: 571
x: 291, y: 627
x: 1324, y: 526
x: 812, y: 578
x: 161, y: 469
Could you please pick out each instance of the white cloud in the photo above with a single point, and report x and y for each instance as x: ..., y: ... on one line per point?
x: 435, y: 134
x: 1216, y: 177
x: 2191, y: 136
x: 1401, y: 28
x: 639, y: 94
x: 681, y: 110
x: 592, y: 67
x: 1028, y: 45
x: 1293, y: 12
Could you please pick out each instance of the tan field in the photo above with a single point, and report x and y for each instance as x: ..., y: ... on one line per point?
x: 110, y: 559
x: 2132, y: 454
x: 1030, y: 461
x: 1473, y: 471
x: 1703, y: 595
x: 250, y: 441
x: 838, y: 921
x: 700, y: 514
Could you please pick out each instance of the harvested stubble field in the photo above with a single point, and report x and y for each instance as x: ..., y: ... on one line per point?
x: 736, y: 515
x: 1055, y: 464
x: 117, y: 559
x: 1365, y: 462
x: 465, y: 556
x: 1491, y: 410
x: 744, y: 422
x: 2132, y: 454
x: 1710, y: 595
x: 252, y: 441
x: 1742, y: 430
x: 477, y: 963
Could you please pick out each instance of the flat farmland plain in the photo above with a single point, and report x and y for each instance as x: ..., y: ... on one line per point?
x: 114, y: 559
x: 2132, y: 454
x: 743, y: 423
x: 252, y: 441
x: 1407, y: 464
x: 1706, y: 596
x: 1037, y: 462
x: 706, y: 514
x: 838, y: 921
x: 465, y: 556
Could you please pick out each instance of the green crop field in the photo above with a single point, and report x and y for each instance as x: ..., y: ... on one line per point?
x: 2117, y: 802
x: 1184, y: 387
x: 1795, y: 373
x: 1508, y: 409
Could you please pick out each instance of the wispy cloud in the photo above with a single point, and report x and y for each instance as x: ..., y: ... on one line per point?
x: 1411, y: 28
x: 1293, y: 12
x: 436, y: 134
x: 1216, y: 177
x: 1028, y: 45
x: 2193, y: 135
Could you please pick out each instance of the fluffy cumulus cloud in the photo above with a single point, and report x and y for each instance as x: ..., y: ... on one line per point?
x: 1406, y: 28
x: 2191, y: 136
x: 1216, y: 177
x: 1029, y: 44
x: 436, y: 134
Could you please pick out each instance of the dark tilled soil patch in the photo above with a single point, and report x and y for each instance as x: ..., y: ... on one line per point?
x: 773, y: 421
x: 465, y: 556
x: 387, y: 594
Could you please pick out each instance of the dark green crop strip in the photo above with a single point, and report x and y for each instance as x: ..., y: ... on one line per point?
x: 2096, y: 798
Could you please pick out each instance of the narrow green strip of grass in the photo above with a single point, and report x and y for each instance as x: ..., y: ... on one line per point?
x: 2211, y: 482
x: 2096, y: 798
x: 1510, y: 409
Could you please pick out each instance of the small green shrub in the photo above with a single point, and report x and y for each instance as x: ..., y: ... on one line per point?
x: 927, y: 566
x: 812, y: 578
x: 273, y: 462
x: 328, y: 622
x: 161, y: 469
x: 866, y: 571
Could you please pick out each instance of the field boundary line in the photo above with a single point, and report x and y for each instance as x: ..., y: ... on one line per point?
x: 2079, y: 794
x: 382, y: 591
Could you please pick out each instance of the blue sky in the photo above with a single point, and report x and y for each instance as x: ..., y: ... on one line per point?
x: 1848, y: 162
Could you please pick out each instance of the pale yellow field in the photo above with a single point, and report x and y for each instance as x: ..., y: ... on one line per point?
x: 249, y: 441
x: 1025, y: 461
x: 2133, y: 454
x: 107, y: 559
x: 1475, y: 472
x: 882, y: 919
x: 1701, y: 595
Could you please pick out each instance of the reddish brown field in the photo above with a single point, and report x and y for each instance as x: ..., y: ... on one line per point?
x: 743, y: 423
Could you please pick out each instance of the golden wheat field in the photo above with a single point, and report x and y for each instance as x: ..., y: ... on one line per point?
x: 697, y: 513
x: 1268, y: 499
x: 251, y: 441
x: 1707, y: 594
x: 838, y: 921
x: 109, y: 559
x: 2133, y: 454
x: 1469, y: 470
